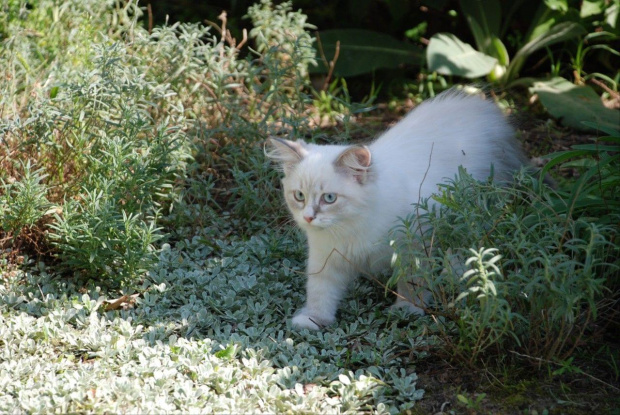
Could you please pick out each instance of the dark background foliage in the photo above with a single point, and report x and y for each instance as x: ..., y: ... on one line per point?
x: 412, y: 22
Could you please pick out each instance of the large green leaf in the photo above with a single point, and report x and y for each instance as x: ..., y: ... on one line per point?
x: 560, y: 5
x: 484, y: 19
x: 447, y: 55
x: 591, y: 8
x: 558, y: 33
x: 611, y: 16
x: 363, y: 51
x: 575, y: 106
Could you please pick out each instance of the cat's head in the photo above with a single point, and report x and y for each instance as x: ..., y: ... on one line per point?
x: 324, y: 186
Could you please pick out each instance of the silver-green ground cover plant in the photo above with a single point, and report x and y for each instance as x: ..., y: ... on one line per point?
x: 207, y: 334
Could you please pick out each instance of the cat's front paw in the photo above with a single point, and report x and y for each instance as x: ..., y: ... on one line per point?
x: 409, y: 307
x: 304, y: 320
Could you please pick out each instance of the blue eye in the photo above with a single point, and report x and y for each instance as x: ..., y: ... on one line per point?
x: 299, y: 196
x: 329, y: 198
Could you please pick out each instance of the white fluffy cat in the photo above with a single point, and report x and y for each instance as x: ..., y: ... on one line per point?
x: 346, y: 198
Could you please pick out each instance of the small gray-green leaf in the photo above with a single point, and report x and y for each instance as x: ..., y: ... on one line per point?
x: 448, y: 55
x: 575, y: 106
x: 228, y: 353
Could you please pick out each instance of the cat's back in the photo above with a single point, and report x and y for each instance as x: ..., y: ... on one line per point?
x: 453, y: 129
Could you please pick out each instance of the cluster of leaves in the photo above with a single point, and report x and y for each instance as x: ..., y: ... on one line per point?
x: 102, y: 122
x: 205, y: 334
x: 594, y: 195
x: 554, y: 22
x: 105, y: 160
x: 521, y: 268
x: 569, y: 44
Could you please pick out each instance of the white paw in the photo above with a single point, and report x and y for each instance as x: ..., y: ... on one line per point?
x: 306, y: 319
x: 409, y: 307
x: 303, y: 321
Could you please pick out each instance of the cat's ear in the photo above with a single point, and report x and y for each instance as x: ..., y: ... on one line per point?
x: 285, y: 152
x: 355, y: 161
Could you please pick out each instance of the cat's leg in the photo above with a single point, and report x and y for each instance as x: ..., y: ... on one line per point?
x: 327, y: 283
x: 323, y: 294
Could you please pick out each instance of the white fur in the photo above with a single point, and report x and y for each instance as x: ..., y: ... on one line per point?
x: 374, y: 190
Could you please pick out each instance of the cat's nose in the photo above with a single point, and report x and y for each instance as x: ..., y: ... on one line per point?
x: 308, y: 218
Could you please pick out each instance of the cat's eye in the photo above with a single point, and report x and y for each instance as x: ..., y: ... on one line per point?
x: 299, y: 195
x: 329, y: 198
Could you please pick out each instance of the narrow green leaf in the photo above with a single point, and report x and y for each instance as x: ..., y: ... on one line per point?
x: 595, y: 147
x: 603, y: 35
x: 558, y: 158
x: 611, y: 131
x: 558, y: 33
x: 484, y: 18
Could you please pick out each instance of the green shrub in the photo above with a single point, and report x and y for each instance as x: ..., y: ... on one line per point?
x: 112, y: 164
x: 244, y: 101
x: 46, y: 42
x: 98, y: 239
x: 285, y: 31
x: 23, y: 202
x: 506, y: 270
x: 134, y: 131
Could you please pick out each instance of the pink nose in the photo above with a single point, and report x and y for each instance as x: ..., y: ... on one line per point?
x: 308, y: 218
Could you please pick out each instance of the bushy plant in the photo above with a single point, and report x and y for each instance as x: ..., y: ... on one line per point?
x: 97, y: 238
x: 110, y: 166
x: 135, y: 130
x: 47, y: 42
x: 284, y: 30
x: 507, y: 270
x: 23, y: 202
x: 246, y: 101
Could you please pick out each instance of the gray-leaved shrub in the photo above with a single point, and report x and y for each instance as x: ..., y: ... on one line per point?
x: 23, y: 202
x: 136, y: 131
x: 129, y: 161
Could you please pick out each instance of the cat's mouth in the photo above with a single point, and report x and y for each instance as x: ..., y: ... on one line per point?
x: 316, y: 223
